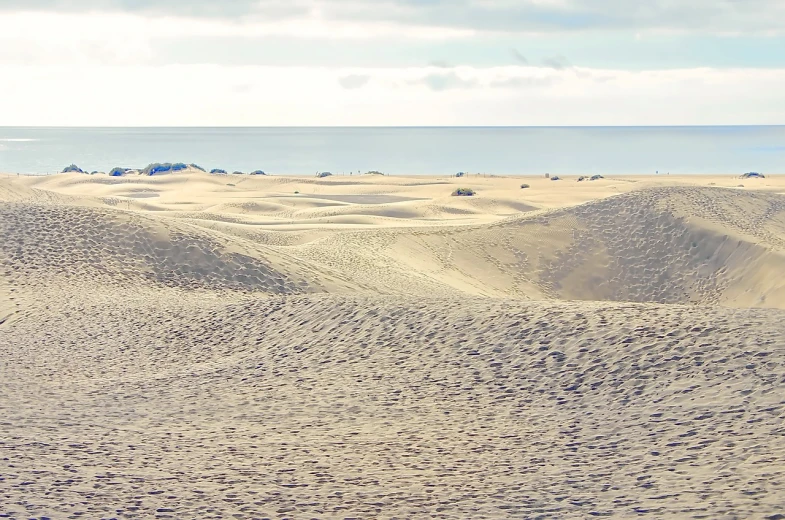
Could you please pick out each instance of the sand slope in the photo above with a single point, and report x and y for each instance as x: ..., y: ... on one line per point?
x: 378, y: 407
x: 662, y: 245
x: 46, y: 244
x: 176, y: 347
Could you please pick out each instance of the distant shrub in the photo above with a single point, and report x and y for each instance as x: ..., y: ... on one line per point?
x: 555, y: 178
x: 524, y: 186
x: 596, y: 177
x: 117, y: 172
x: 218, y: 171
x: 93, y: 172
x: 237, y: 172
x: 258, y: 172
x: 460, y: 174
x: 72, y: 168
x: 154, y: 168
x: 323, y: 174
x: 463, y: 192
x: 296, y: 192
x: 229, y: 184
x: 581, y: 178
x: 374, y: 172
x: 197, y: 167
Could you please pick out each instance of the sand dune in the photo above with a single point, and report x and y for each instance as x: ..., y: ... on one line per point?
x: 659, y: 245
x: 197, y: 346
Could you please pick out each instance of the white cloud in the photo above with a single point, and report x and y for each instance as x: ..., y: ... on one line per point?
x: 258, y: 96
x: 478, y: 15
x: 127, y: 38
x: 556, y: 62
x: 519, y: 57
x: 446, y: 81
x: 353, y: 81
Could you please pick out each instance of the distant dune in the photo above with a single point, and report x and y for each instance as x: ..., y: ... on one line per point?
x: 197, y: 346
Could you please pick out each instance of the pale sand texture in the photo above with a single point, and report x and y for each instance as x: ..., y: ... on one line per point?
x: 372, y: 347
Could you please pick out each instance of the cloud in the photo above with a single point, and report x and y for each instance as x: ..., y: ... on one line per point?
x: 242, y: 88
x: 556, y: 62
x: 487, y: 79
x: 303, y: 96
x: 351, y: 33
x: 717, y: 16
x: 440, y: 64
x: 519, y: 57
x: 524, y: 82
x: 354, y: 81
x: 206, y: 8
x: 447, y: 81
x: 114, y: 28
x: 362, y: 62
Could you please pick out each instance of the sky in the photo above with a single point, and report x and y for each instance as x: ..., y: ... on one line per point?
x: 391, y: 62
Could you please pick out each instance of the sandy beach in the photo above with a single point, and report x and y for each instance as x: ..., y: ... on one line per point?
x: 232, y: 346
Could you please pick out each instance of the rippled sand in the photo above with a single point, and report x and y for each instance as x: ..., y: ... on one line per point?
x: 196, y: 346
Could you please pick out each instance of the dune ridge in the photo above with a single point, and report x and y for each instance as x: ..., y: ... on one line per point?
x: 372, y: 347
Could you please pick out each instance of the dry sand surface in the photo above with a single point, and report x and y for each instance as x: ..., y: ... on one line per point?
x: 197, y: 346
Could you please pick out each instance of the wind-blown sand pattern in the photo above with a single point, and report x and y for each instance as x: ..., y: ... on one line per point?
x: 179, y: 347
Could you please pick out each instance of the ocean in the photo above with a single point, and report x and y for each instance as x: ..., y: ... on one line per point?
x: 404, y: 150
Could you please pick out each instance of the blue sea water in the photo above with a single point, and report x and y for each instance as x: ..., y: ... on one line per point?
x: 404, y: 150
